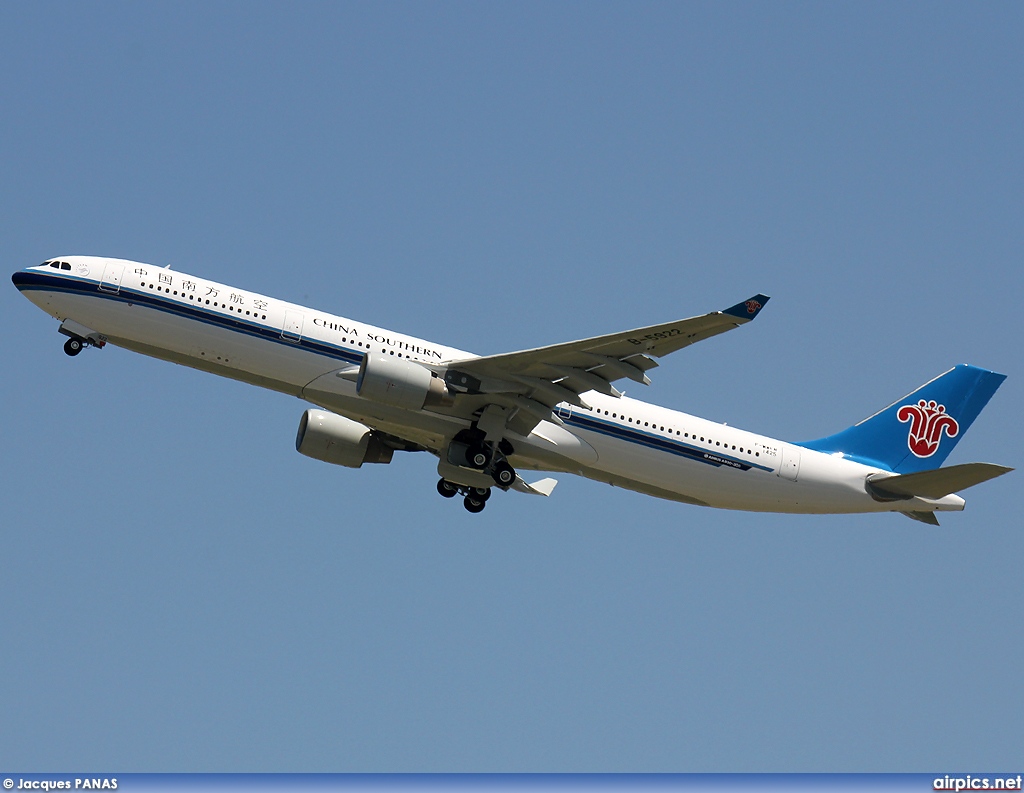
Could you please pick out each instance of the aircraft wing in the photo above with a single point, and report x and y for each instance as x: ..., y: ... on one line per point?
x: 535, y: 381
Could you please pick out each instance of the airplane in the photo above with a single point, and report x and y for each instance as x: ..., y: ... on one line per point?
x: 489, y: 418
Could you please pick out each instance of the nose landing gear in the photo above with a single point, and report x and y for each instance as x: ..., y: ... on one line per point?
x: 75, y: 344
x: 79, y: 336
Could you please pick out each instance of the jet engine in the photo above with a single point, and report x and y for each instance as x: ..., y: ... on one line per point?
x: 401, y: 383
x: 335, y: 439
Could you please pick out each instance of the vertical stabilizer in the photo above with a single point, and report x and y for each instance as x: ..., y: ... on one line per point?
x: 917, y: 432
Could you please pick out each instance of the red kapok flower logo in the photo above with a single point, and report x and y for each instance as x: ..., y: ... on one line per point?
x: 928, y: 420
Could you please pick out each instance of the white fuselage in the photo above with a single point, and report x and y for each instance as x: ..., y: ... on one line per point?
x: 298, y: 350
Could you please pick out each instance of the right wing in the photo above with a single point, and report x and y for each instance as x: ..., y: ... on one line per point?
x: 527, y: 385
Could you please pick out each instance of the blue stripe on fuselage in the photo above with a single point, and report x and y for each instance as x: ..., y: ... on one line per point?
x: 28, y: 281
x: 659, y: 443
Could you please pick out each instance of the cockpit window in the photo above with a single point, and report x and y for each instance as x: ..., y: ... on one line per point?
x: 65, y: 266
x: 54, y: 265
x: 57, y: 265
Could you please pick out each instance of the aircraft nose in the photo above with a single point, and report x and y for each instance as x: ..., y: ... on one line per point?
x: 20, y: 278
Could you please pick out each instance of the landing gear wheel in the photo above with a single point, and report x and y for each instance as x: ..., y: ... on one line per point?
x: 478, y: 456
x: 446, y: 488
x: 480, y: 493
x: 73, y: 346
x: 504, y: 474
x: 474, y: 506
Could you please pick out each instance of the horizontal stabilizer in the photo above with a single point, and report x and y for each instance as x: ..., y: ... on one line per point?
x: 924, y: 517
x: 542, y: 488
x: 936, y: 483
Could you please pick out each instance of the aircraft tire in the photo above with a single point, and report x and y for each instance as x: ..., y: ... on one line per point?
x: 73, y: 346
x: 504, y: 474
x: 446, y: 488
x: 478, y: 456
x: 480, y: 493
x: 474, y: 506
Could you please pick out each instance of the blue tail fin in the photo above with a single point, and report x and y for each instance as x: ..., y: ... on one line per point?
x: 918, y: 432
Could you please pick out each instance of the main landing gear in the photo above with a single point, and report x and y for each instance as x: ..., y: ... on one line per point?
x: 492, y: 462
x: 475, y: 498
x: 503, y: 474
x: 485, y: 456
x: 470, y: 449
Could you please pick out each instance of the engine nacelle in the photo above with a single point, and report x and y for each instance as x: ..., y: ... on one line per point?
x: 335, y: 439
x: 401, y: 383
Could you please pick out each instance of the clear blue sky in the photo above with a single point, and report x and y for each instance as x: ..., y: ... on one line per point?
x: 181, y: 591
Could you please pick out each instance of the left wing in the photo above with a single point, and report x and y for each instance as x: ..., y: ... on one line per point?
x: 530, y: 383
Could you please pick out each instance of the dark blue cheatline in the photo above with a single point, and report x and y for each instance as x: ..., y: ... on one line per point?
x: 45, y: 282
x: 660, y: 443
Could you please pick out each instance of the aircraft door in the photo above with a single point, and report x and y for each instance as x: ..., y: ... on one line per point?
x: 790, y: 467
x: 112, y: 274
x: 563, y: 411
x: 292, y: 330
